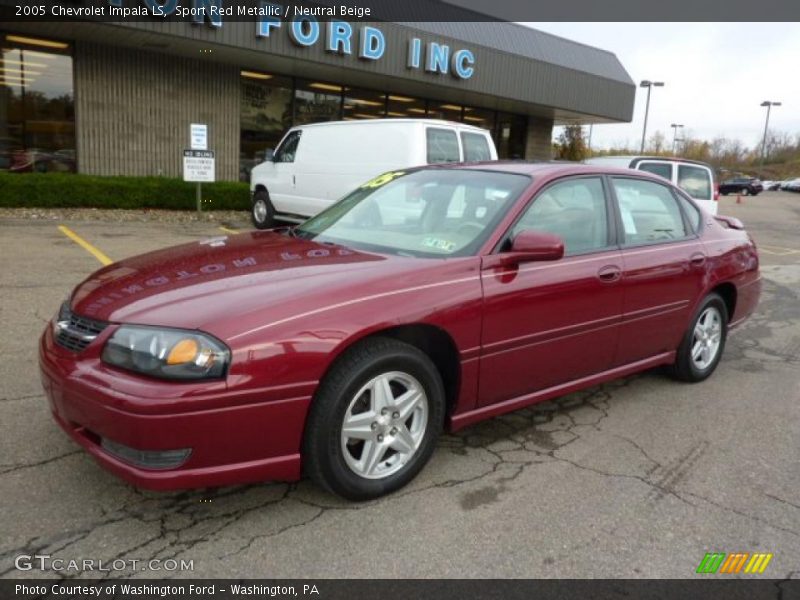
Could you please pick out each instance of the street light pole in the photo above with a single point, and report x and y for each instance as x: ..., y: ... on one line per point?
x: 674, y: 135
x: 649, y: 85
x: 769, y: 104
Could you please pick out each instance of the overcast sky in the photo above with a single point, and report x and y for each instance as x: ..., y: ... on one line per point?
x: 715, y: 75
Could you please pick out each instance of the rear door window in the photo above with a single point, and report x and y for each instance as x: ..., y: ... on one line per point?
x: 657, y: 168
x: 475, y: 146
x: 695, y: 181
x: 442, y: 145
x: 648, y: 211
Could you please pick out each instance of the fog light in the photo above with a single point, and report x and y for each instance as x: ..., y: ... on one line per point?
x: 147, y: 459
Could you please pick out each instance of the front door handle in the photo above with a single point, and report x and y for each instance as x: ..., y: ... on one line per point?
x: 609, y: 274
x: 698, y: 259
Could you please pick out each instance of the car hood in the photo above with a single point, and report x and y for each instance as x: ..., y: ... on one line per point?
x: 219, y: 282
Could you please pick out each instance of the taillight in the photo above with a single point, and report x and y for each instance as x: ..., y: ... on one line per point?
x: 716, y: 192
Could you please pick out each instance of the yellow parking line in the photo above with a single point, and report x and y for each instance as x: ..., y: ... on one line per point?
x: 233, y: 231
x: 778, y: 250
x: 85, y: 245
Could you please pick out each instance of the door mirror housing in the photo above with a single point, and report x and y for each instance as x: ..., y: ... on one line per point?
x: 269, y: 154
x: 527, y: 246
x: 530, y: 246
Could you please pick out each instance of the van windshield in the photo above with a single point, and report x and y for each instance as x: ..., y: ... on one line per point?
x: 424, y: 213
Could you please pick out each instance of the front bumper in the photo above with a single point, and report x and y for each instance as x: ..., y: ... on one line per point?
x: 235, y: 436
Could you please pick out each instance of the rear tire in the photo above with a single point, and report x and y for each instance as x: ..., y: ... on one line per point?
x: 262, y: 213
x: 704, y: 341
x: 374, y: 421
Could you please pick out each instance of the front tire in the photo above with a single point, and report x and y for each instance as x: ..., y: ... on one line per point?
x: 375, y: 420
x: 262, y: 213
x: 704, y: 342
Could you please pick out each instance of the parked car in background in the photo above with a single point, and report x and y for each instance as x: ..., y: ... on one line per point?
x: 34, y: 160
x: 428, y: 299
x: 693, y: 177
x: 771, y: 186
x: 793, y: 185
x: 787, y: 183
x: 315, y: 165
x: 746, y: 186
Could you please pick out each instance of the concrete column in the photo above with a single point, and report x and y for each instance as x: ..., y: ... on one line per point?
x: 133, y: 109
x: 538, y: 144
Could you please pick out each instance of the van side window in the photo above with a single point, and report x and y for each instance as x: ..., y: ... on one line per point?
x: 649, y: 211
x: 475, y: 146
x: 660, y: 169
x: 288, y: 149
x: 442, y: 145
x: 696, y: 181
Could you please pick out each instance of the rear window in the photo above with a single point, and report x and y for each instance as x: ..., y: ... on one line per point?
x: 660, y: 169
x: 442, y: 145
x: 695, y: 181
x: 475, y: 146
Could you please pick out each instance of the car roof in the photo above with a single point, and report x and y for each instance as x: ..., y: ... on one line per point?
x: 550, y: 169
x: 366, y: 122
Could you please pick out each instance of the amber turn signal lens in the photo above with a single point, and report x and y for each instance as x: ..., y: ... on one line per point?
x: 182, y: 352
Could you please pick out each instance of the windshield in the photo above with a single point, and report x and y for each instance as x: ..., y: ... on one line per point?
x: 424, y: 213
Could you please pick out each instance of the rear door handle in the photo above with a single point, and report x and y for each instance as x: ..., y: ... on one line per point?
x: 609, y: 274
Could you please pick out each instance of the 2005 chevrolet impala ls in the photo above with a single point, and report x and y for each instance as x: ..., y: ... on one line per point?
x: 427, y: 298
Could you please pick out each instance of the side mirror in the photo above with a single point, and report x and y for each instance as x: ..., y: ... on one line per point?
x: 529, y: 246
x: 269, y: 154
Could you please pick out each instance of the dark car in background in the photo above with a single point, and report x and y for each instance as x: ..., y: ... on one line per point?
x: 746, y: 186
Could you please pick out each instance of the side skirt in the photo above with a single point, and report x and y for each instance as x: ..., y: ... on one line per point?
x: 484, y: 412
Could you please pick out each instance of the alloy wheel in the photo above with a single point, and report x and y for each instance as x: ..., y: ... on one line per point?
x: 384, y: 425
x: 706, y: 338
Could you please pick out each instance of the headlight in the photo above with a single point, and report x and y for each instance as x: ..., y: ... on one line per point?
x: 167, y: 353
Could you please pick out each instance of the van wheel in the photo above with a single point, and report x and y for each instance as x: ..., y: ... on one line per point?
x: 704, y: 341
x: 262, y: 213
x: 374, y: 421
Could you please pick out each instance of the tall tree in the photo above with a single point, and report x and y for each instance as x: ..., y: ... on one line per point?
x: 571, y: 144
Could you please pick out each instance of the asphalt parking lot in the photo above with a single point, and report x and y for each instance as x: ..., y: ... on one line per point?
x: 637, y: 478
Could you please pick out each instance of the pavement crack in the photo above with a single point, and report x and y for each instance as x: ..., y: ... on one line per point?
x: 782, y: 501
x: 13, y: 468
x: 640, y: 478
x: 18, y: 398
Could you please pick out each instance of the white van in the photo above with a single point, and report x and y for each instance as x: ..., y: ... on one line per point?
x: 315, y: 165
x: 694, y: 178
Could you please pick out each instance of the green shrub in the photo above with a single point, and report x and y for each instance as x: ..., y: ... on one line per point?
x: 67, y: 190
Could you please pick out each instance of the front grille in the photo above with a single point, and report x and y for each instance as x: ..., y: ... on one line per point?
x: 74, y: 332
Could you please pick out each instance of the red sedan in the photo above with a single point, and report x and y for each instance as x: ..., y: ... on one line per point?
x: 427, y: 298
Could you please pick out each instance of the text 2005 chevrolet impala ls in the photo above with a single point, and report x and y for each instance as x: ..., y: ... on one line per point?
x: 427, y: 298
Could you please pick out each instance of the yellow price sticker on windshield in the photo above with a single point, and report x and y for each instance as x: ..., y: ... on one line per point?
x: 382, y: 179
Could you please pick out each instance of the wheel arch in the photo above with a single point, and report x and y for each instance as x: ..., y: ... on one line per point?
x: 728, y: 293
x: 433, y: 341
